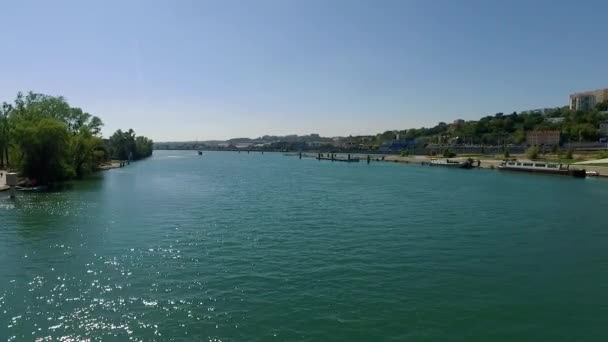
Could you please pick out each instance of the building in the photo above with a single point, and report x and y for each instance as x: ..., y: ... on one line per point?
x: 588, y: 100
x: 243, y: 146
x: 396, y: 145
x: 542, y: 138
x: 555, y: 120
x: 319, y: 143
x: 543, y: 111
x: 604, y: 128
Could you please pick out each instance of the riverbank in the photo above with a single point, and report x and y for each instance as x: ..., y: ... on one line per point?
x: 486, y: 162
x: 114, y: 164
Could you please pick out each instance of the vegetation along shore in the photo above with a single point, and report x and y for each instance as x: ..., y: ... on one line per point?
x: 46, y: 140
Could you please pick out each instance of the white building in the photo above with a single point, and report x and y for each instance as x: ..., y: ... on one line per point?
x: 588, y: 100
x: 555, y: 120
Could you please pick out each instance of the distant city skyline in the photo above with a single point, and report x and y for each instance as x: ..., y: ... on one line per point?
x: 214, y: 70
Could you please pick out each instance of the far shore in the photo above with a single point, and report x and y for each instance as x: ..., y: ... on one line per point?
x: 486, y: 161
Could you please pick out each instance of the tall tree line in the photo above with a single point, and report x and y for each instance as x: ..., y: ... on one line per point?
x: 126, y: 145
x: 47, y: 140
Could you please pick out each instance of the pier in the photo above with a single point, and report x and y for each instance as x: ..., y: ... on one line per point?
x: 333, y: 157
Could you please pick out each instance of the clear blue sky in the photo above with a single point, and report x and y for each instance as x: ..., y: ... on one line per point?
x: 184, y: 70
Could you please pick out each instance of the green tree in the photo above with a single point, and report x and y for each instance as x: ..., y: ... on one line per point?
x: 122, y: 144
x: 448, y: 154
x: 52, y: 141
x: 585, y: 132
x: 143, y: 147
x: 126, y: 145
x: 43, y: 144
x: 48, y: 140
x: 95, y: 125
x: 5, y: 133
x: 84, y: 151
x: 532, y: 152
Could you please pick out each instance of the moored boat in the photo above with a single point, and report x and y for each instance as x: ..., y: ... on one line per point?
x: 541, y: 167
x: 31, y: 188
x: 463, y: 164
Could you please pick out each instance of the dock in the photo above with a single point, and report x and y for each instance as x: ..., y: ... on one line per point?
x: 333, y: 157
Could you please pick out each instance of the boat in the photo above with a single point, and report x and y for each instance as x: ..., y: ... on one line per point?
x: 200, y: 153
x: 592, y: 173
x: 541, y: 167
x: 31, y: 188
x: 463, y: 164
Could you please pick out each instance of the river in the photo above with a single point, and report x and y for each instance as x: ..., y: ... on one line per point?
x: 252, y: 247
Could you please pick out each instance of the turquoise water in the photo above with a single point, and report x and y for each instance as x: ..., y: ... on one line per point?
x: 250, y: 247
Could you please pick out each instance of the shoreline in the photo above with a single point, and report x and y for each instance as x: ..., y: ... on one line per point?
x: 488, y: 164
x: 114, y: 164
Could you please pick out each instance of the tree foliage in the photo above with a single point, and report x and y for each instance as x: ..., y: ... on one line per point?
x: 532, y: 152
x: 5, y: 133
x: 128, y: 146
x: 503, y: 129
x: 48, y: 140
x: 449, y: 154
x: 43, y: 144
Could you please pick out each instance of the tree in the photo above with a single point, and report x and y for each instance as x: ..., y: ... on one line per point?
x: 34, y: 106
x: 585, y: 131
x: 123, y: 144
x: 44, y: 145
x: 448, y: 154
x: 5, y: 133
x: 126, y: 145
x: 84, y: 151
x: 569, y: 154
x: 143, y: 147
x: 532, y: 152
x: 50, y: 140
x: 95, y: 125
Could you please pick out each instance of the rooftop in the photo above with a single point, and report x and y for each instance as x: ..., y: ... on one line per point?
x: 588, y: 92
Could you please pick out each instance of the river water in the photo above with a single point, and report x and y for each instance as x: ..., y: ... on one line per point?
x: 252, y: 247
